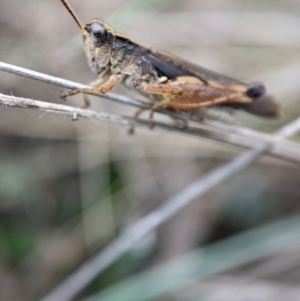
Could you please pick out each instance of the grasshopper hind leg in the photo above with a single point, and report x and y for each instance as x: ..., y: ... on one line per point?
x: 157, y: 89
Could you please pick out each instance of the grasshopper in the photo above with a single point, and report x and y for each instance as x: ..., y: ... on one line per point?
x: 168, y: 80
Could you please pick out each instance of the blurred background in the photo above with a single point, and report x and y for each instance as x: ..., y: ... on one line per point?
x: 68, y: 188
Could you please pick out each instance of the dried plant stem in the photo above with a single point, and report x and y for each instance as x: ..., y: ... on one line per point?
x: 284, y: 150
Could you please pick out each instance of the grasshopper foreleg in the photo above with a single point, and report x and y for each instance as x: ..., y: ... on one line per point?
x: 97, y: 87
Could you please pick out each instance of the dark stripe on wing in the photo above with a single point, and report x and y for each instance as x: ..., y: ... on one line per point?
x: 173, y: 66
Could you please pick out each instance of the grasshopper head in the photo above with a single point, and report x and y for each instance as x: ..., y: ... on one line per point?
x: 98, y: 38
x: 99, y: 33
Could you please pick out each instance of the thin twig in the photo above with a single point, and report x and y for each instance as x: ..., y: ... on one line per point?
x: 68, y: 289
x: 285, y: 150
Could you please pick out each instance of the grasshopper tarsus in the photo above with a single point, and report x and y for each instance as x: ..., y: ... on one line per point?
x: 131, y: 130
x: 63, y: 95
x: 87, y: 102
x: 152, y: 122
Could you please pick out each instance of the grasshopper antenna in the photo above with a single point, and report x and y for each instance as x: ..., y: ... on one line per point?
x: 73, y: 14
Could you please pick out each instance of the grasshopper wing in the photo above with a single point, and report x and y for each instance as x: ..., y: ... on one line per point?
x: 172, y: 66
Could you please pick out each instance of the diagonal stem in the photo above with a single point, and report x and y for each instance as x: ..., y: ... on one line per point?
x: 76, y: 282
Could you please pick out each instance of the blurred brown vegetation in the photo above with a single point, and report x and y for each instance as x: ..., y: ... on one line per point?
x: 67, y: 188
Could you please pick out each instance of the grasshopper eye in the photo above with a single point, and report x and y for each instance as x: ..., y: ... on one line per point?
x: 98, y: 34
x: 256, y: 91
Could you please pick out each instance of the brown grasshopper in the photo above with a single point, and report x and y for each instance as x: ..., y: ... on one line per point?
x: 165, y: 78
